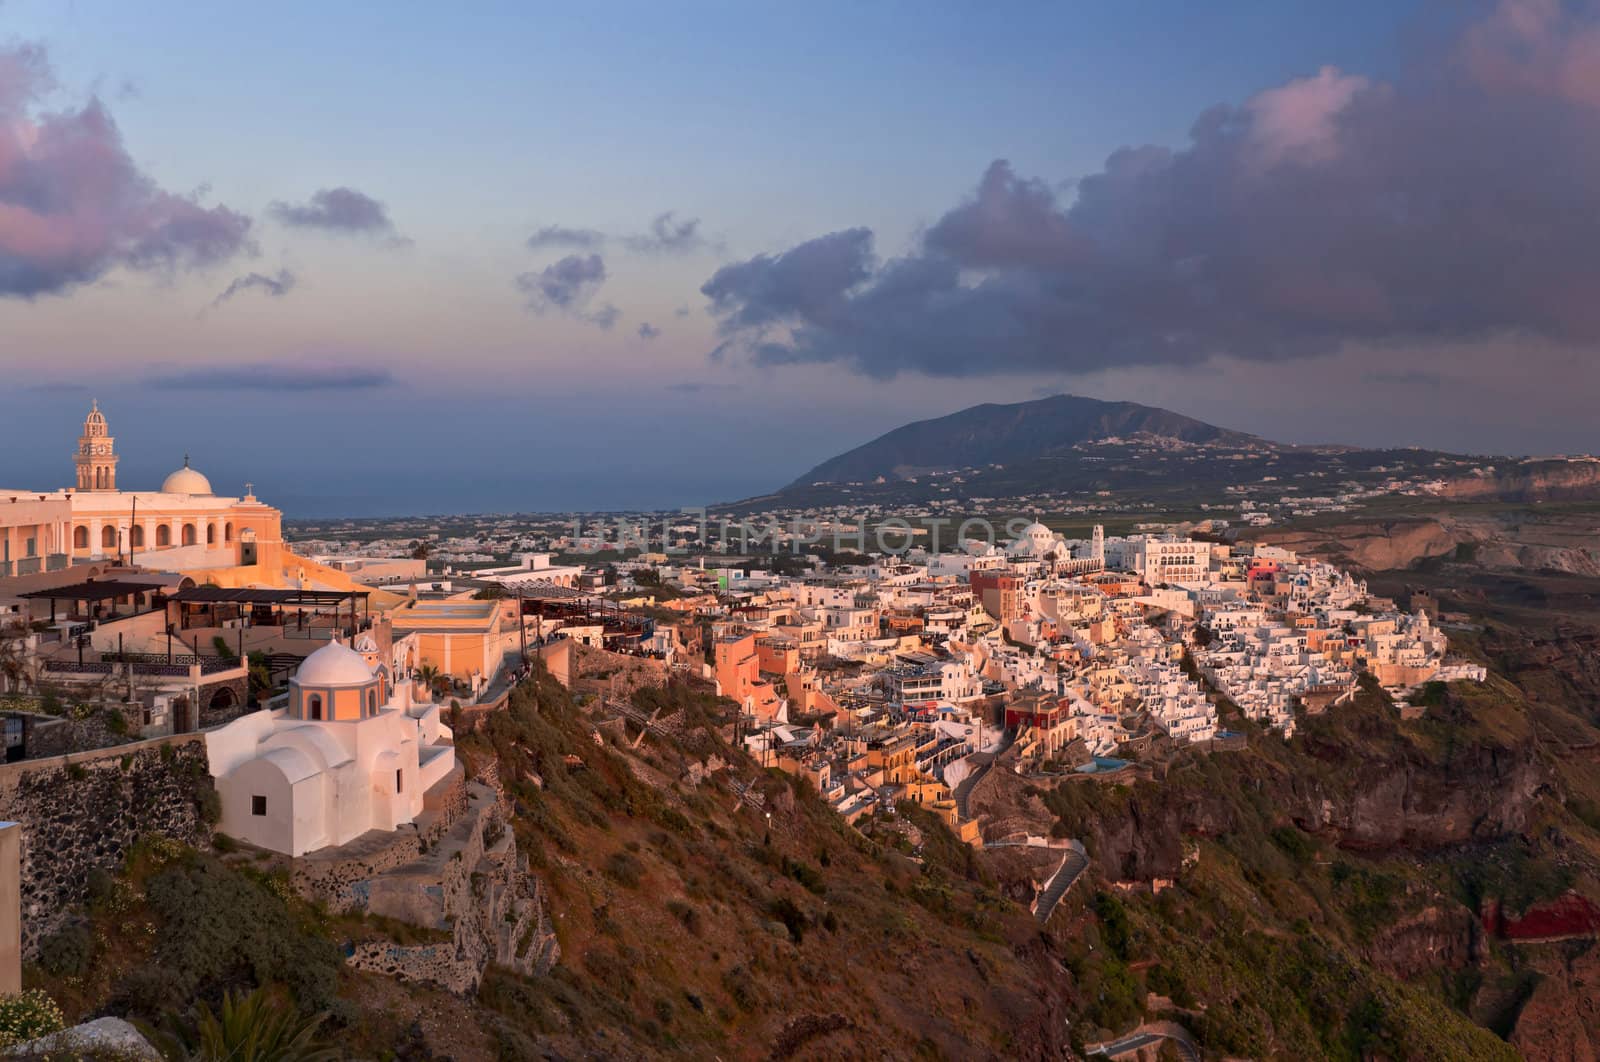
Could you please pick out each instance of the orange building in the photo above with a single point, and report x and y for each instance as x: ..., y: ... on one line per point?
x: 737, y: 665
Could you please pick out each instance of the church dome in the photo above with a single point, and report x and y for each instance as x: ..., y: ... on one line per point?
x: 186, y: 481
x: 334, y: 664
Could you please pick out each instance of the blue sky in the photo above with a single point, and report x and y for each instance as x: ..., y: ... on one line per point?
x: 768, y: 125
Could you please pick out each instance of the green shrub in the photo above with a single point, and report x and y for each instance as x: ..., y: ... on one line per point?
x: 624, y: 868
x: 208, y: 805
x: 221, y: 926
x: 805, y: 874
x: 253, y: 1026
x: 793, y: 919
x: 67, y: 951
x: 107, y: 894
x: 1296, y: 845
x: 736, y: 982
x: 685, y: 913
x: 1115, y: 928
x: 27, y: 1017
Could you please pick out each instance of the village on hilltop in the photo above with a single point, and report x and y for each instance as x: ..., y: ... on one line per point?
x: 301, y: 697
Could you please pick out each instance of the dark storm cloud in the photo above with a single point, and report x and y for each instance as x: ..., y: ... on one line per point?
x: 276, y: 286
x: 271, y: 376
x: 668, y: 235
x: 562, y: 236
x: 1461, y: 201
x: 812, y: 282
x: 337, y: 210
x: 567, y: 286
x: 648, y: 331
x: 73, y: 205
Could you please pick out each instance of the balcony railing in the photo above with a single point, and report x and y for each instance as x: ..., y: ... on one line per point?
x: 176, y: 664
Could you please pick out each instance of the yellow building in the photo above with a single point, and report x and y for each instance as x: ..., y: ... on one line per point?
x: 180, y: 527
x: 462, y: 637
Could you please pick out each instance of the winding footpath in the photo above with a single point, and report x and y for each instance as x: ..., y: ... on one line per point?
x: 965, y: 787
x: 1073, y: 863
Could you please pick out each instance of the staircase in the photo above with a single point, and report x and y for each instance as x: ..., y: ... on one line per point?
x: 1073, y: 863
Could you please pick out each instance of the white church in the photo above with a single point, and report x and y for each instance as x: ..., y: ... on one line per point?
x: 347, y: 755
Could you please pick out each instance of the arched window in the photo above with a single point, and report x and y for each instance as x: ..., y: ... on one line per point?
x: 80, y: 537
x: 314, y: 706
x: 136, y: 536
x: 188, y: 534
x: 108, y: 538
x: 227, y: 532
x: 372, y: 702
x: 163, y: 535
x: 211, y: 534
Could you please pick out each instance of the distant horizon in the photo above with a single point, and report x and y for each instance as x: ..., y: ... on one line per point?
x: 382, y: 285
x: 139, y: 467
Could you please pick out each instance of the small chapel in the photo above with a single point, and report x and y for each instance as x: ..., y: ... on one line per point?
x: 348, y: 754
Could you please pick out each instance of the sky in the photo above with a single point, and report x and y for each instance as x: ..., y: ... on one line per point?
x: 412, y: 258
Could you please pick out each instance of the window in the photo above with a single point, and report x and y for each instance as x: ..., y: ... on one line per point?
x: 80, y: 537
x: 108, y: 538
x: 163, y: 535
x: 314, y: 706
x: 211, y: 534
x: 136, y: 536
x: 188, y: 534
x: 33, y: 547
x: 258, y: 805
x: 400, y: 781
x: 227, y: 532
x: 372, y: 702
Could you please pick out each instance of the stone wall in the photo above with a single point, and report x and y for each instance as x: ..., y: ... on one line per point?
x: 83, y: 811
x: 338, y: 877
x: 224, y: 701
x: 475, y: 884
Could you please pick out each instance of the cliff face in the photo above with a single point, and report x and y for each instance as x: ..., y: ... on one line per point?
x: 1538, y: 481
x: 1561, y: 1018
x: 1439, y: 936
x: 1366, y: 803
x: 1371, y: 545
x: 1484, y: 793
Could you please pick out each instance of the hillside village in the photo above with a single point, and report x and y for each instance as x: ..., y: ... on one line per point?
x: 306, y: 708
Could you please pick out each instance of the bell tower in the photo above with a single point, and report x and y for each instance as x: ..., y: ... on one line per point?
x: 96, y: 457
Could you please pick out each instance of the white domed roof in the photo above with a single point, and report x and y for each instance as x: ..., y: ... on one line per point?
x: 186, y: 481
x: 334, y: 664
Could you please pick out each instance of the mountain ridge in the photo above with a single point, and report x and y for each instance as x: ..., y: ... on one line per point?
x: 999, y: 433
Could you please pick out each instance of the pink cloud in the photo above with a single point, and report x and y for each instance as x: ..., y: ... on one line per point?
x: 73, y: 205
x: 1537, y: 46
